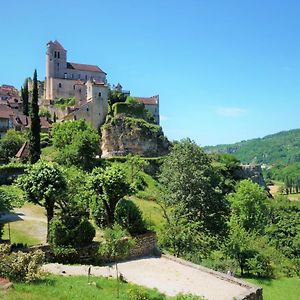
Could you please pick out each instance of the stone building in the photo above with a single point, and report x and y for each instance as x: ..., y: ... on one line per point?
x: 152, y: 104
x: 85, y: 83
x: 66, y: 79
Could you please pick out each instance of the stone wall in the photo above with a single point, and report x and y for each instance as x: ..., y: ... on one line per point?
x: 145, y: 245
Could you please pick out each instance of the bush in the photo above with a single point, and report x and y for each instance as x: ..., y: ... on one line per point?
x: 66, y: 255
x: 188, y: 297
x: 140, y: 293
x: 99, y: 212
x: 129, y: 216
x: 70, y: 231
x: 20, y: 266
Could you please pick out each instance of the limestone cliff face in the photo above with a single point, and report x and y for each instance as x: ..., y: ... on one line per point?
x: 252, y: 172
x: 124, y: 135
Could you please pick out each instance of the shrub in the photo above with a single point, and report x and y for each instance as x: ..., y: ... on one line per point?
x: 99, y: 212
x: 70, y: 231
x: 188, y: 297
x: 129, y: 216
x: 20, y: 266
x: 66, y: 255
x: 140, y: 293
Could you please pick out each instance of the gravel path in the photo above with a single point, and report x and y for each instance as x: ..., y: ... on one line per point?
x: 167, y: 276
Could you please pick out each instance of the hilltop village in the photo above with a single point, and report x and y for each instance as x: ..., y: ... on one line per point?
x: 73, y: 91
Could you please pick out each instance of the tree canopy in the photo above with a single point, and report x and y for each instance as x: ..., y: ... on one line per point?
x: 191, y: 182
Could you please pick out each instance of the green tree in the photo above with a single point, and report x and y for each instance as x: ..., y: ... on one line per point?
x: 5, y: 205
x: 44, y: 112
x: 78, y: 143
x: 44, y: 184
x: 249, y: 206
x: 111, y: 186
x: 35, y: 127
x: 25, y: 97
x: 190, y: 180
x: 10, y: 144
x: 115, y: 96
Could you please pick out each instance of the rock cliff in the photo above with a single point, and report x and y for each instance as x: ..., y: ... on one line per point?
x: 252, y: 172
x: 123, y: 135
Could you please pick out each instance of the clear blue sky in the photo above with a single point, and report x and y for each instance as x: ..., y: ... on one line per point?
x: 225, y: 70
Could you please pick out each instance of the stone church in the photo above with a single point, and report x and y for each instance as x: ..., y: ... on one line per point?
x: 85, y: 83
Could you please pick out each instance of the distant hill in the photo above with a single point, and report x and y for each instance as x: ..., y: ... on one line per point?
x: 278, y: 148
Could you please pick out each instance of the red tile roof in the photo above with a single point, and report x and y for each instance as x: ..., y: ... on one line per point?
x: 57, y: 45
x: 83, y: 67
x: 5, y: 111
x: 147, y: 100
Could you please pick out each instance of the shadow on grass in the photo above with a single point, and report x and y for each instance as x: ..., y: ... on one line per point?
x: 259, y: 280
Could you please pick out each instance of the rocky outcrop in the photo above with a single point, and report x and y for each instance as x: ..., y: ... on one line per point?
x: 252, y: 172
x: 124, y: 135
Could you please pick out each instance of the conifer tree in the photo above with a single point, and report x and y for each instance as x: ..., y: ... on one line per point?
x: 25, y: 97
x: 35, y: 128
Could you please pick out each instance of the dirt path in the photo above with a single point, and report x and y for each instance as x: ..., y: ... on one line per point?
x: 167, y: 276
x: 30, y: 220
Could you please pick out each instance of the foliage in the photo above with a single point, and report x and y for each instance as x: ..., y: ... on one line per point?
x: 129, y: 217
x: 135, y: 164
x: 284, y: 226
x: 191, y: 182
x: 25, y: 97
x: 184, y: 238
x: 133, y: 109
x: 44, y: 112
x: 64, y: 102
x: 279, y: 148
x: 115, y: 96
x: 35, y: 126
x: 110, y: 186
x: 70, y: 230
x: 130, y: 100
x: 44, y: 184
x: 10, y: 144
x: 45, y: 140
x: 249, y: 205
x: 188, y: 297
x: 78, y: 143
x: 20, y: 266
x: 65, y: 254
x: 141, y: 293
x: 117, y: 243
x: 252, y: 252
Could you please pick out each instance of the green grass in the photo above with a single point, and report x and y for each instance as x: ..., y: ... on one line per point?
x: 75, y: 288
x: 152, y: 212
x: 19, y: 233
x: 278, y: 289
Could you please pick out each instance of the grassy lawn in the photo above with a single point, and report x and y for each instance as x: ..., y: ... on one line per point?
x: 278, y: 289
x: 75, y: 288
x: 19, y: 233
x: 152, y: 212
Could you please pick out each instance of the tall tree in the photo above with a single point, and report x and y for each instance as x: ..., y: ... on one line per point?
x: 110, y: 186
x: 192, y: 184
x: 25, y: 97
x: 35, y: 128
x: 249, y: 206
x: 44, y: 184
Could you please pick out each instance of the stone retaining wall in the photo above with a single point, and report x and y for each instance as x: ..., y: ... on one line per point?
x: 145, y: 245
x: 253, y: 292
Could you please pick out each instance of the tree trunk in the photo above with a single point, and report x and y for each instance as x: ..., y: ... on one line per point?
x: 50, y: 214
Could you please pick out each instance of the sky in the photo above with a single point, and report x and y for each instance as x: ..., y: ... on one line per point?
x: 225, y: 70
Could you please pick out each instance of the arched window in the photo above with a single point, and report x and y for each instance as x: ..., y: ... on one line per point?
x: 59, y: 85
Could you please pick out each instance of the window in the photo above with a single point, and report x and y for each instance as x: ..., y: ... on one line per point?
x: 58, y: 64
x: 78, y: 76
x: 66, y: 75
x: 99, y: 94
x: 85, y: 77
x: 54, y: 54
x: 74, y: 87
x: 59, y: 85
x: 87, y: 109
x: 80, y: 91
x: 58, y: 54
